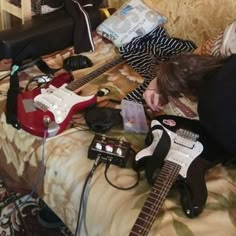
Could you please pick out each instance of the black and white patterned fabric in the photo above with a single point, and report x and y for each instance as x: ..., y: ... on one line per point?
x: 143, y: 53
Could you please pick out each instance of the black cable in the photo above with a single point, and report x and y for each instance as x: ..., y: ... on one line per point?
x: 115, y: 186
x: 83, y: 200
x: 39, y: 80
x: 22, y: 67
x: 78, y: 126
x: 4, y: 76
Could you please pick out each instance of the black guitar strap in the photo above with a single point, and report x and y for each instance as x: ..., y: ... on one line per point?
x: 11, y: 105
x: 157, y: 159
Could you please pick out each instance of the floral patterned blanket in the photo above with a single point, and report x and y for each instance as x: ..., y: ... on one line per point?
x: 109, y: 211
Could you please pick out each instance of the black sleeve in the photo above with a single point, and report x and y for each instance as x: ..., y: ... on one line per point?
x: 86, y: 18
x: 217, y: 105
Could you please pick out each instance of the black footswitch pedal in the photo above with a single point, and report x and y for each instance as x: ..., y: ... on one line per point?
x: 110, y: 150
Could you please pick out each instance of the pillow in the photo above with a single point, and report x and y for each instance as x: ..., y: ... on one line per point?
x: 133, y: 19
x: 222, y: 44
x: 211, y: 46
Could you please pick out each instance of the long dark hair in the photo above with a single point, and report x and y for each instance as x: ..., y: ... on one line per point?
x: 183, y: 74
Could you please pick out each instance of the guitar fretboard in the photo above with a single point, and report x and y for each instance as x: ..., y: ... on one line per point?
x: 155, y: 199
x: 82, y: 81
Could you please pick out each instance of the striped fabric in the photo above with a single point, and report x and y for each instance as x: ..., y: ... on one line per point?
x: 143, y: 53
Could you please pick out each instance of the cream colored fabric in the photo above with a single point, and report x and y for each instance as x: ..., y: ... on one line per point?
x: 112, y: 212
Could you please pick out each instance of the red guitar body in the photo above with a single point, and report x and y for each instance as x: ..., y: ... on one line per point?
x: 33, y: 120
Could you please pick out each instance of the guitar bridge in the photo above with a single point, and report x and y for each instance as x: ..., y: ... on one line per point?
x: 41, y: 106
x: 186, y: 138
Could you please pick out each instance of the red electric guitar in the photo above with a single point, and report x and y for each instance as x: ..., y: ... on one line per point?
x: 56, y: 103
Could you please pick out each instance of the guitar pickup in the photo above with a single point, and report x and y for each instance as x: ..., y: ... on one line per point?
x: 186, y: 138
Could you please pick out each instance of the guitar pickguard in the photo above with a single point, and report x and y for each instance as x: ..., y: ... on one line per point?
x: 183, y: 150
x: 59, y: 101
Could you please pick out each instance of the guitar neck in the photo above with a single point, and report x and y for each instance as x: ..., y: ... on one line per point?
x: 155, y: 199
x: 84, y: 80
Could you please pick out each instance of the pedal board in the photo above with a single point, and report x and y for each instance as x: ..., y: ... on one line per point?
x: 109, y: 149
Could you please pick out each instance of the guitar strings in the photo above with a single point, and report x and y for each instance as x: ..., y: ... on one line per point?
x: 164, y: 192
x: 165, y: 189
x: 82, y: 81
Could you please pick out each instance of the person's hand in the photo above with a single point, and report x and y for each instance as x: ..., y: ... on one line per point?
x: 152, y: 96
x: 5, y: 64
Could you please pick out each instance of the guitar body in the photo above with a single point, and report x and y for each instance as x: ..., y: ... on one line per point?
x: 33, y: 120
x: 191, y: 185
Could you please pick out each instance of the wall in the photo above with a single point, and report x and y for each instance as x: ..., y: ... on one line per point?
x: 196, y: 20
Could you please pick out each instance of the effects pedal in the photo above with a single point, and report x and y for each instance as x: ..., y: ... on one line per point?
x: 110, y: 150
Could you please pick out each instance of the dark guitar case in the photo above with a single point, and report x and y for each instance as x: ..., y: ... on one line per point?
x: 44, y: 34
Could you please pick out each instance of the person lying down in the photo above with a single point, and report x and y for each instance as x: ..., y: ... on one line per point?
x: 208, y: 80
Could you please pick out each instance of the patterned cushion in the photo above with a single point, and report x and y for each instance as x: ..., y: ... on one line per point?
x: 211, y: 46
x: 223, y: 44
x: 133, y: 19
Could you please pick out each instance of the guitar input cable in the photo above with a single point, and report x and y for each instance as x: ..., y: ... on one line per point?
x: 84, y: 196
x: 85, y: 190
x: 108, y: 164
x: 38, y: 81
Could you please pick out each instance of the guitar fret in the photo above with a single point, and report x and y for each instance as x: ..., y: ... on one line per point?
x: 166, y: 171
x: 149, y: 205
x: 155, y: 191
x: 163, y: 177
x: 82, y: 81
x: 137, y: 230
x: 134, y: 233
x: 154, y: 194
x: 141, y: 220
x: 144, y: 214
x: 147, y: 209
x: 165, y: 174
x: 152, y: 200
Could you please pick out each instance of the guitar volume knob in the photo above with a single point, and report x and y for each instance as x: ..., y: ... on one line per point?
x: 98, y: 146
x: 109, y: 148
x: 46, y: 120
x: 119, y: 151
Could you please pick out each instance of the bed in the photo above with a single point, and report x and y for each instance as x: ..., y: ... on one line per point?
x: 109, y: 211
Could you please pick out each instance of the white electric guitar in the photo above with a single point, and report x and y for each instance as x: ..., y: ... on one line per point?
x: 173, y: 155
